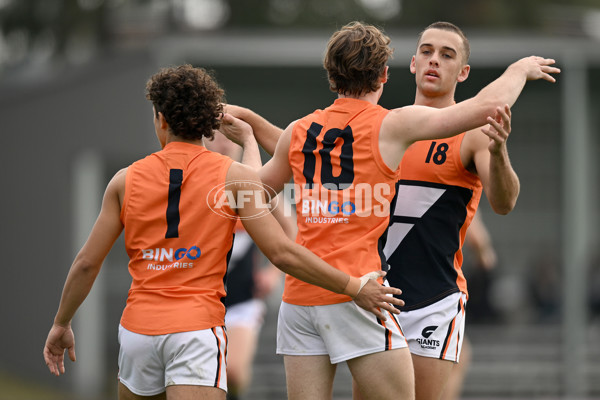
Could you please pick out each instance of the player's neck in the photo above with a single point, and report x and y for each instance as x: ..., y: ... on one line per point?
x: 172, y: 138
x: 371, y: 97
x: 446, y: 100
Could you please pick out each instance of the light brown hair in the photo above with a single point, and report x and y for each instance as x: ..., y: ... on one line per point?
x: 356, y: 58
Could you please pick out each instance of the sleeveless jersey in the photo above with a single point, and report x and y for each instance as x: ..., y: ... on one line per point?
x: 177, y: 245
x: 436, y: 199
x: 343, y: 191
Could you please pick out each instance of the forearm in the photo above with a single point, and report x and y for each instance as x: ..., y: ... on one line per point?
x: 504, y: 185
x: 505, y: 89
x: 77, y: 287
x: 299, y: 262
x: 251, y: 153
x: 265, y: 132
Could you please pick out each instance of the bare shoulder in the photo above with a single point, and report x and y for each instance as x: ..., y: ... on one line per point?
x: 116, y: 186
x: 284, y: 142
x: 287, y: 132
x: 120, y: 175
x: 118, y: 180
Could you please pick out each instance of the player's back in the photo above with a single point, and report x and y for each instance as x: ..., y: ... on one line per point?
x: 436, y: 199
x: 176, y: 243
x: 343, y: 191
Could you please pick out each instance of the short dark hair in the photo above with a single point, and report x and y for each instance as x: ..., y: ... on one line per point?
x: 356, y: 58
x: 189, y: 98
x: 448, y: 26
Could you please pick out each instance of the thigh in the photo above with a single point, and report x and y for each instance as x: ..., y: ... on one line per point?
x: 384, y: 375
x: 126, y: 394
x: 431, y: 376
x: 192, y: 392
x: 454, y: 385
x: 309, y: 377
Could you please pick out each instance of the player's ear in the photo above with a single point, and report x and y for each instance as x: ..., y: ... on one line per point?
x: 162, y: 121
x: 384, y: 75
x: 413, y: 67
x: 464, y: 73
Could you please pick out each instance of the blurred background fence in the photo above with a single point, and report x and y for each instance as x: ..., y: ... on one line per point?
x: 73, y: 112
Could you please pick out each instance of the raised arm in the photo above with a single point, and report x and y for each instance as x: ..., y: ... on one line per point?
x: 297, y: 260
x: 265, y: 132
x: 240, y: 133
x: 492, y: 164
x: 83, y: 273
x: 413, y: 123
x: 277, y: 171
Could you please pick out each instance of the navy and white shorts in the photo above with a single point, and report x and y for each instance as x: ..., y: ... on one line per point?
x: 436, y: 331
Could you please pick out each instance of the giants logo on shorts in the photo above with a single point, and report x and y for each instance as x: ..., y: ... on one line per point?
x: 428, y: 343
x: 427, y: 331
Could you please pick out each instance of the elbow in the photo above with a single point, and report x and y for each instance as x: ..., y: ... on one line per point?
x: 491, y: 107
x: 505, y: 207
x: 85, y: 267
x: 503, y: 210
x: 280, y: 256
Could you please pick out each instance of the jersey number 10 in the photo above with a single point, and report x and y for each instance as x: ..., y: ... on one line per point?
x: 346, y: 176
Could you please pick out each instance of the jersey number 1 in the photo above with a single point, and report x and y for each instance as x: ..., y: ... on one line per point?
x: 175, y: 180
x: 346, y: 176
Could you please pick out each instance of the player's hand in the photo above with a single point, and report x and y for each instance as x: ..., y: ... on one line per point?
x: 498, y: 129
x: 538, y: 68
x: 234, y: 110
x: 59, y: 339
x: 236, y: 130
x: 375, y: 298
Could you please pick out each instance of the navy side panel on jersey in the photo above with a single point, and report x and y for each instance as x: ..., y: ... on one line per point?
x: 422, y: 239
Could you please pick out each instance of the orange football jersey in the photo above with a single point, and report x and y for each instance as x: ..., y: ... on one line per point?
x: 342, y: 191
x: 177, y: 245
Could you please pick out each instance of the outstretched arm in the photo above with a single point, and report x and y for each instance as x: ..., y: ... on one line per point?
x: 265, y: 132
x: 414, y: 123
x: 297, y: 260
x: 83, y: 273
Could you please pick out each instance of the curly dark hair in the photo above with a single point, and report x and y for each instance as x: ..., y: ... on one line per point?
x: 356, y: 58
x: 189, y: 98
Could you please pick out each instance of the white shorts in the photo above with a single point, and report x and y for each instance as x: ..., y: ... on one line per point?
x: 249, y: 313
x: 437, y: 330
x: 148, y: 364
x: 343, y: 331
